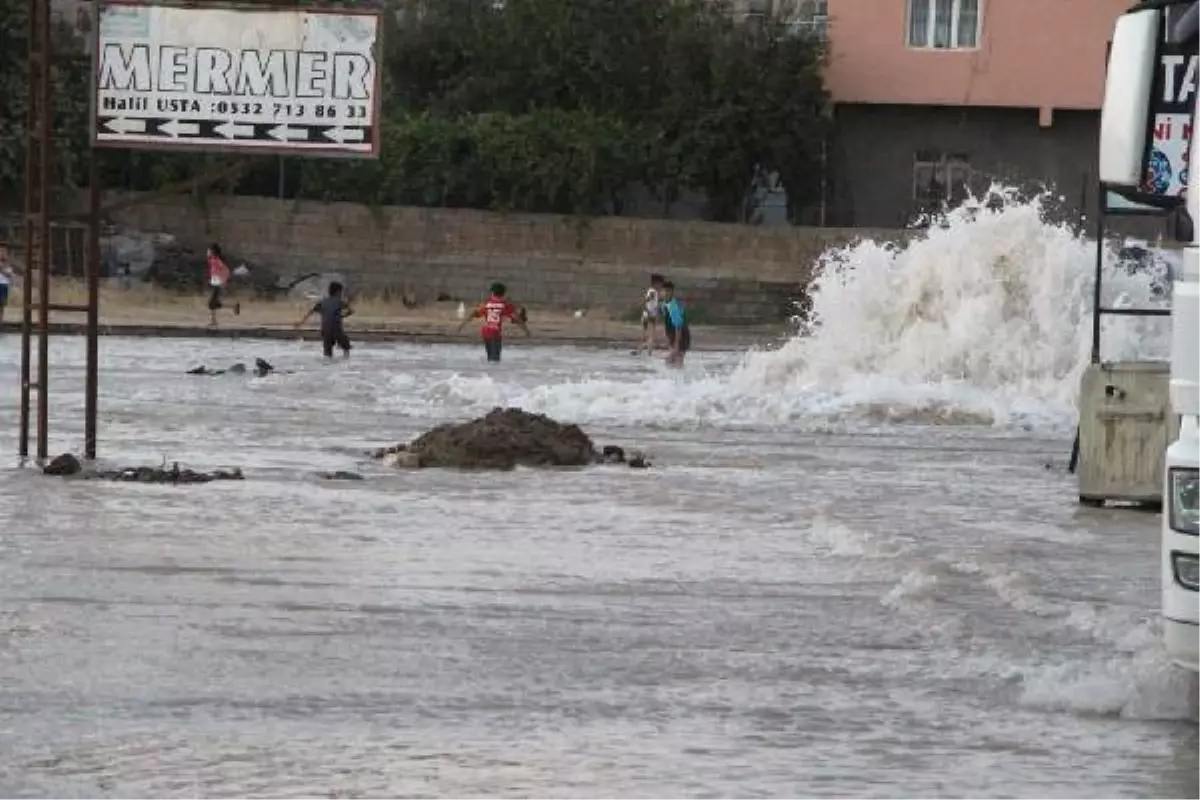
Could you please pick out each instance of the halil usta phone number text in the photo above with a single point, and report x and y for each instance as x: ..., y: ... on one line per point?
x: 293, y: 109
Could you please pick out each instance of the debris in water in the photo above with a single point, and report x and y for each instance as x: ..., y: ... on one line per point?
x: 262, y: 368
x: 403, y: 459
x: 68, y: 465
x: 340, y: 475
x: 612, y: 454
x: 65, y: 464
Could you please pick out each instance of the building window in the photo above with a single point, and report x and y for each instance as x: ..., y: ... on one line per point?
x: 940, y: 179
x: 943, y: 24
x: 806, y: 18
x: 811, y: 19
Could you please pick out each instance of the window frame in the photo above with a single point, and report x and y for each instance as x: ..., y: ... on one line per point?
x: 931, y: 26
x: 944, y: 169
x: 815, y: 24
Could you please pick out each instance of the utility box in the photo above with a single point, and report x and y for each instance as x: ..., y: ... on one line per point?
x: 1125, y: 425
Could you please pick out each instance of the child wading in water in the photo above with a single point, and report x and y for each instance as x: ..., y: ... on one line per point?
x: 493, y: 312
x: 675, y: 319
x: 651, y: 313
x: 7, y: 276
x: 332, y: 309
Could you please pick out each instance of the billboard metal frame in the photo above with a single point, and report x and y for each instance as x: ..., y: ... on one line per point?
x: 269, y: 6
x: 39, y: 151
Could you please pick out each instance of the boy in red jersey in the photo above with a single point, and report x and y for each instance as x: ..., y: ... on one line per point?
x: 493, y: 312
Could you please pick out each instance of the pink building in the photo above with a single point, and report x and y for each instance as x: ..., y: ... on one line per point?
x: 934, y: 95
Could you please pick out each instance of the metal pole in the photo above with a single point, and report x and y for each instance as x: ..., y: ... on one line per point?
x: 1096, y: 303
x: 1081, y: 217
x: 92, y: 381
x: 31, y: 177
x: 26, y: 325
x: 43, y: 410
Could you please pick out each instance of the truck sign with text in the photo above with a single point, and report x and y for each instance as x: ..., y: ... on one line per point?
x: 1170, y: 137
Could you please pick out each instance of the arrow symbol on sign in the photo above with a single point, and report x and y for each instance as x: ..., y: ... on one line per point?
x: 123, y: 125
x: 343, y: 135
x: 174, y: 128
x: 232, y: 130
x: 283, y: 133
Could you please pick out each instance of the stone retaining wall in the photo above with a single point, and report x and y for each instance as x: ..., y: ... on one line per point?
x: 729, y: 274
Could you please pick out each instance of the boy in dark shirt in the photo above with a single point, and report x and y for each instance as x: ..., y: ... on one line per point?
x: 332, y: 309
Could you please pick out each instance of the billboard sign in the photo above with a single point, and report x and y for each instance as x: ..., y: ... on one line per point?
x: 255, y: 80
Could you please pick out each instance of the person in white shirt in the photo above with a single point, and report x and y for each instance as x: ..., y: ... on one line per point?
x: 651, y: 313
x: 7, y: 276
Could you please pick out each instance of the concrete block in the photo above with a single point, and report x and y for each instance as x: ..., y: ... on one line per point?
x: 1125, y: 425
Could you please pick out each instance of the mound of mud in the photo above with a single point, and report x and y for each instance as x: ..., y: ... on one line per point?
x: 67, y: 465
x: 503, y: 439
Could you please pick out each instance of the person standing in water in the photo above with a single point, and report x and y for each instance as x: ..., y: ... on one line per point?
x: 651, y: 313
x: 218, y: 278
x: 332, y: 309
x: 7, y: 276
x: 493, y: 312
x: 675, y: 319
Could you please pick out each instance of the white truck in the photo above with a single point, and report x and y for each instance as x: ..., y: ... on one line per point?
x: 1133, y: 78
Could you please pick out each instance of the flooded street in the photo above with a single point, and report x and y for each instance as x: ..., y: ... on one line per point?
x: 860, y: 592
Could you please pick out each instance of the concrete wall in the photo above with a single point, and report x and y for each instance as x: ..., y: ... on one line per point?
x: 873, y: 174
x: 728, y: 273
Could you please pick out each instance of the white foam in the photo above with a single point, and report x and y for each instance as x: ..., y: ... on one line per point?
x: 989, y: 314
x: 916, y: 585
x: 1145, y: 686
x: 837, y: 539
x: 985, y: 320
x: 1113, y: 626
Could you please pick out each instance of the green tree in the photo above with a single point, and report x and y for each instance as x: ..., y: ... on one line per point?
x: 69, y: 98
x: 706, y: 103
x: 758, y: 108
x: 538, y: 105
x: 548, y: 161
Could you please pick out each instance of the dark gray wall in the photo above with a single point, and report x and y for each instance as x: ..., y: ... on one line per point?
x: 872, y: 163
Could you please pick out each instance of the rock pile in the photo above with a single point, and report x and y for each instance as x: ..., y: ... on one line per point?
x: 67, y: 465
x: 503, y: 439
